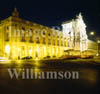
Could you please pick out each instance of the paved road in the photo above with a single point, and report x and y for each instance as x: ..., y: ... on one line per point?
x: 88, y: 82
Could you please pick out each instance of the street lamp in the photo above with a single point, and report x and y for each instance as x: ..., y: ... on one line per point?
x: 92, y: 33
x: 98, y: 41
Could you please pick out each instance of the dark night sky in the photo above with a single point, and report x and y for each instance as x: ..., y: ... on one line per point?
x: 54, y: 12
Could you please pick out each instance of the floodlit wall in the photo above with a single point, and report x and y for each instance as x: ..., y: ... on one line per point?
x: 23, y: 38
x: 92, y: 47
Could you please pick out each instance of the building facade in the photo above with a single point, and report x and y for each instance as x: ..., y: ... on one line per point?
x: 20, y: 38
x: 75, y: 30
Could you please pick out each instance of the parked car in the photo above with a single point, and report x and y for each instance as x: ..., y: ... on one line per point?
x: 47, y: 57
x: 87, y: 57
x: 70, y: 57
x: 26, y: 58
x: 54, y: 56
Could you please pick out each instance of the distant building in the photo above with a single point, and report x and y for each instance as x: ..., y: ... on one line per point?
x: 78, y: 41
x: 75, y: 31
x: 20, y: 38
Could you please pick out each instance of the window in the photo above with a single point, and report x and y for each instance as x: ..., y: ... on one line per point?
x: 61, y: 43
x: 58, y: 35
x: 30, y: 33
x: 37, y: 40
x: 58, y: 42
x: 49, y: 41
x: 53, y: 42
x: 61, y: 37
x: 23, y: 37
x: 7, y: 36
x: 23, y: 28
x: 7, y: 28
x: 44, y: 41
x: 31, y: 40
x: 65, y: 43
x: 49, y: 34
x: 43, y: 33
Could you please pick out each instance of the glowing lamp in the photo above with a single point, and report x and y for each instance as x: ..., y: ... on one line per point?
x: 91, y: 33
x: 98, y: 41
x: 7, y: 49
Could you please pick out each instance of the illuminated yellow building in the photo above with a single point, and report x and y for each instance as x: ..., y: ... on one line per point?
x: 20, y: 38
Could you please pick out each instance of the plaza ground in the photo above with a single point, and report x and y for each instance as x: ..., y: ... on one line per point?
x: 88, y: 83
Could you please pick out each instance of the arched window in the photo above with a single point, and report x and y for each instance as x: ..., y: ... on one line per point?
x: 43, y: 33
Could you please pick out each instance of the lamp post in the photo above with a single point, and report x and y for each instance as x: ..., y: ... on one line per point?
x: 92, y: 33
x: 97, y: 40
